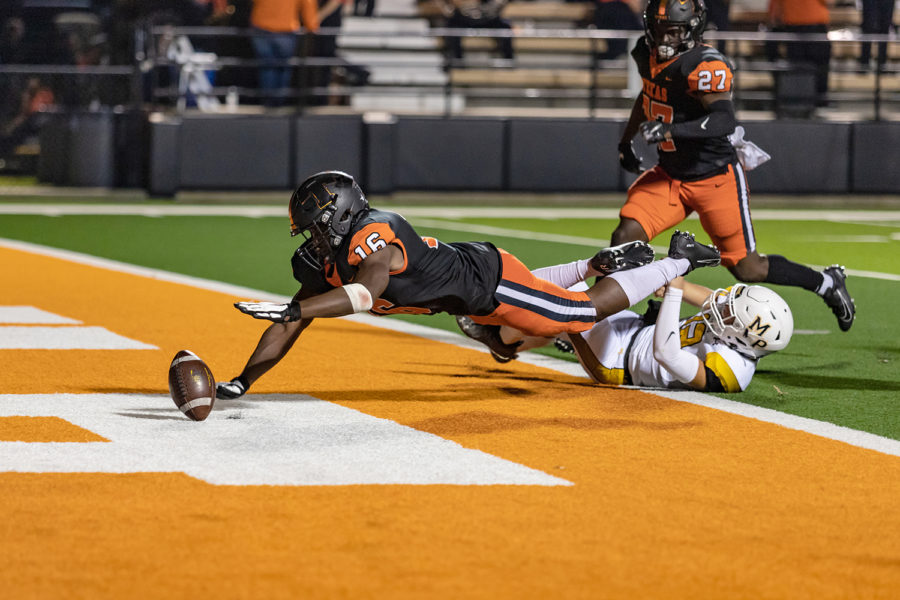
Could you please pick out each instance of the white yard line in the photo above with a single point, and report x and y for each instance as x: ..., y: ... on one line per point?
x: 831, y: 431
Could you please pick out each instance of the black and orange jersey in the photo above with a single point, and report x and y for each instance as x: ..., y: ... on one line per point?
x: 458, y: 278
x: 671, y: 93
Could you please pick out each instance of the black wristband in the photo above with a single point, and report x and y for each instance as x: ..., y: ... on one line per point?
x: 293, y: 311
x: 243, y: 381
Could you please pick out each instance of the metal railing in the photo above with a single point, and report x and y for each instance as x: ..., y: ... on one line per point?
x: 554, y: 69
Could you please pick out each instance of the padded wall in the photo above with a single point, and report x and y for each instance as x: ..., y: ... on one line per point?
x: 447, y: 154
x: 327, y: 143
x: 77, y: 149
x: 163, y: 156
x: 379, y: 157
x: 242, y: 152
x: 876, y: 157
x: 807, y: 156
x: 563, y: 155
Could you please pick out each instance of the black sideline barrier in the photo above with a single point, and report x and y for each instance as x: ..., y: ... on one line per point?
x: 876, y: 158
x: 163, y: 156
x: 563, y: 155
x: 328, y: 143
x: 222, y: 152
x: 77, y: 149
x: 806, y: 157
x: 235, y: 152
x: 449, y: 154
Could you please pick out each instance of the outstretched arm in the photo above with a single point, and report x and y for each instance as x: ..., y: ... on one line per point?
x: 684, y: 366
x: 289, y: 320
x: 370, y: 281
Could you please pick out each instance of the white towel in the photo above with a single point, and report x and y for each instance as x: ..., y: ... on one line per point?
x: 750, y: 155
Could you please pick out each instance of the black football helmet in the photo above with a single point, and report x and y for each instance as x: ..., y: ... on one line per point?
x: 674, y: 26
x: 323, y: 209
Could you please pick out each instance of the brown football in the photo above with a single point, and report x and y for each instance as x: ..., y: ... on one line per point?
x: 192, y: 385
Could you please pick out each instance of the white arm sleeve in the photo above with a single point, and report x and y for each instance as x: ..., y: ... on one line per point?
x: 667, y: 341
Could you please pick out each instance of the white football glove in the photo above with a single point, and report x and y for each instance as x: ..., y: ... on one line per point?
x: 229, y: 390
x: 270, y: 311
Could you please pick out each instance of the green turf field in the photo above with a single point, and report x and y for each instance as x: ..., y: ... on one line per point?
x: 850, y: 379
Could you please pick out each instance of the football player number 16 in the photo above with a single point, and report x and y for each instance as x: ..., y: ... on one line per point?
x: 659, y: 111
x: 374, y: 242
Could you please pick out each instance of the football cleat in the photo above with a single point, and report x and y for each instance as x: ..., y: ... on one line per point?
x: 838, y: 298
x: 683, y: 245
x: 489, y: 335
x: 564, y: 345
x: 622, y: 257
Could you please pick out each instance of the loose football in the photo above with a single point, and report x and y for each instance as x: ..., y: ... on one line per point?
x: 192, y: 385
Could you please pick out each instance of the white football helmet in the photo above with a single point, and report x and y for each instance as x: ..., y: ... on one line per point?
x: 753, y: 320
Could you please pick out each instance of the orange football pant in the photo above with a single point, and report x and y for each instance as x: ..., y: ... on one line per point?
x: 722, y: 202
x: 537, y: 307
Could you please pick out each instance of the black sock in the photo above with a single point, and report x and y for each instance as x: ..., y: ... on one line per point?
x: 784, y: 272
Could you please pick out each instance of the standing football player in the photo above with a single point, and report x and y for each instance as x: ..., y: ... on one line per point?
x: 685, y: 108
x: 356, y: 259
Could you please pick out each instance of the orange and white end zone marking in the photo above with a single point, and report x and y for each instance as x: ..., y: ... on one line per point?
x: 559, y: 487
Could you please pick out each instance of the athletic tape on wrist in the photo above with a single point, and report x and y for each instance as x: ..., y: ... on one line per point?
x: 360, y: 298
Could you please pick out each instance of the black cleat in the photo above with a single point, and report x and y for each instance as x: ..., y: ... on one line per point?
x: 564, y: 345
x: 683, y: 245
x: 838, y: 298
x: 489, y: 335
x: 622, y: 257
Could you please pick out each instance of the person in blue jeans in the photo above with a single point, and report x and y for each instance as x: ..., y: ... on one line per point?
x: 275, y: 25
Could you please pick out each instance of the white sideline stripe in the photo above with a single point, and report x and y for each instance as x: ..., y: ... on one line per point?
x: 256, y: 211
x: 195, y: 403
x: 820, y: 428
x: 831, y: 431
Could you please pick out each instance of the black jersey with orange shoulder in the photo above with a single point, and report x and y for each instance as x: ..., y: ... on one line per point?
x: 458, y: 278
x: 671, y: 93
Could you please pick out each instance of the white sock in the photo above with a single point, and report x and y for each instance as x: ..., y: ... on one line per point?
x: 641, y: 282
x: 827, y: 283
x: 565, y: 275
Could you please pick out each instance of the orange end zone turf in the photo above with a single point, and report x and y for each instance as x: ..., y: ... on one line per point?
x: 670, y: 500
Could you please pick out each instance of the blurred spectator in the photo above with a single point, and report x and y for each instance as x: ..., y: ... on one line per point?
x: 805, y: 17
x: 475, y: 14
x: 325, y: 46
x: 276, y: 24
x: 616, y: 14
x: 34, y: 102
x: 12, y: 41
x: 877, y: 17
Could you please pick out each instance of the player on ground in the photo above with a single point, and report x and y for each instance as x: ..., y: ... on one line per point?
x: 356, y: 258
x: 685, y: 107
x: 716, y: 350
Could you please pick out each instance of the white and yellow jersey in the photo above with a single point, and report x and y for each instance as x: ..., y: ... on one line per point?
x: 605, y: 348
